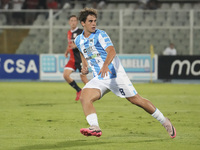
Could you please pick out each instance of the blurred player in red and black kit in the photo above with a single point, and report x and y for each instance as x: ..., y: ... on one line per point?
x: 74, y: 62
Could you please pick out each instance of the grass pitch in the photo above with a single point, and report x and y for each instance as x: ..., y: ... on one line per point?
x: 45, y: 116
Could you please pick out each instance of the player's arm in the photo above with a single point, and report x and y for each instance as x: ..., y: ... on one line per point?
x: 67, y: 51
x: 110, y: 55
x: 68, y: 45
x: 73, y: 45
x: 84, y: 69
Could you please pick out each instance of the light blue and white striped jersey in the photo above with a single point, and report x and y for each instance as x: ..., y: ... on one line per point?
x: 93, y: 49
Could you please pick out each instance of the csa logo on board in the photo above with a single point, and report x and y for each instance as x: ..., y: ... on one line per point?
x: 19, y: 66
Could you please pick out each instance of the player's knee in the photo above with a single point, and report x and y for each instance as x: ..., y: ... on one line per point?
x: 81, y: 99
x: 66, y: 75
x: 84, y: 101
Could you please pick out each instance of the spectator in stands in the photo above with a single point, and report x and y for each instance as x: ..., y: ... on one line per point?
x: 64, y: 3
x: 142, y: 4
x: 170, y: 51
x: 42, y: 4
x: 31, y: 4
x: 7, y: 4
x: 152, y: 4
x: 101, y: 4
x: 30, y: 16
x: 66, y: 6
x: 17, y: 16
x: 52, y: 4
x: 98, y: 4
x: 17, y: 4
x: 4, y: 4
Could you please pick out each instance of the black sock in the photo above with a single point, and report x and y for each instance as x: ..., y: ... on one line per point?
x: 75, y: 86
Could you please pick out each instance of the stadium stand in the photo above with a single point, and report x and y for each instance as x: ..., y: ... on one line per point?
x: 170, y: 22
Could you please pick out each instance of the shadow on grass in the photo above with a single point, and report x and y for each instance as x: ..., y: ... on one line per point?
x: 66, y: 144
x: 82, y: 143
x: 41, y: 104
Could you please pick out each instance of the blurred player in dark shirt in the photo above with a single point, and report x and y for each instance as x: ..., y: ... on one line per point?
x: 74, y: 62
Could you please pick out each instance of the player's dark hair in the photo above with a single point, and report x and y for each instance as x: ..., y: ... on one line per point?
x: 85, y: 12
x: 72, y: 17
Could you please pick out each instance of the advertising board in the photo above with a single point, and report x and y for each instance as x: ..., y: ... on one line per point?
x: 179, y: 67
x: 138, y: 67
x: 19, y: 66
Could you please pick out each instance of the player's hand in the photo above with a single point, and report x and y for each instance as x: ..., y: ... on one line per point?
x: 104, y: 71
x: 84, y: 70
x: 67, y: 52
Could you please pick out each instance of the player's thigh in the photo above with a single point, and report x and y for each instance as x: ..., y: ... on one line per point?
x: 67, y: 72
x: 95, y: 83
x: 122, y: 87
x: 90, y: 94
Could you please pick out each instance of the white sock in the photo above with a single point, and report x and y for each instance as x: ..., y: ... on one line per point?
x: 159, y: 116
x: 92, y: 119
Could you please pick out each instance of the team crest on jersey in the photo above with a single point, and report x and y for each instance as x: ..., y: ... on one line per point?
x: 91, y: 41
x: 74, y: 35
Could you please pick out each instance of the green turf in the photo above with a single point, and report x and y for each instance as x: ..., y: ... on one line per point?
x: 45, y: 116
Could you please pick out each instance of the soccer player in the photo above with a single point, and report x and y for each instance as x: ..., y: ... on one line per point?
x: 98, y: 52
x: 74, y: 62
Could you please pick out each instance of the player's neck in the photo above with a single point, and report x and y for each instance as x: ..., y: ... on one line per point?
x: 74, y: 29
x: 87, y: 34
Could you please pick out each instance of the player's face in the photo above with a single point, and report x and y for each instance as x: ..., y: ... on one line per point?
x: 73, y: 22
x: 90, y: 24
x: 171, y: 46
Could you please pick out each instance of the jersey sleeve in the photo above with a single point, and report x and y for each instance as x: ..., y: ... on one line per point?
x: 104, y: 40
x: 77, y: 42
x: 69, y: 36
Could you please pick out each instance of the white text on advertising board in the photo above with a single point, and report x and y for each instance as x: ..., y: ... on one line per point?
x: 136, y: 63
x: 189, y: 67
x: 20, y: 66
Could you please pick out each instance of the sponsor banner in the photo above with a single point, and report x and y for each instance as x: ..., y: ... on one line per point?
x: 138, y: 67
x: 19, y: 66
x: 52, y: 67
x: 179, y: 67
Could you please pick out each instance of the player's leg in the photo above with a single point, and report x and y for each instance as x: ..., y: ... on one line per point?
x: 151, y: 109
x: 88, y: 96
x: 72, y: 82
x: 91, y: 92
x: 143, y: 103
x: 123, y: 87
x: 69, y: 68
x: 66, y: 75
